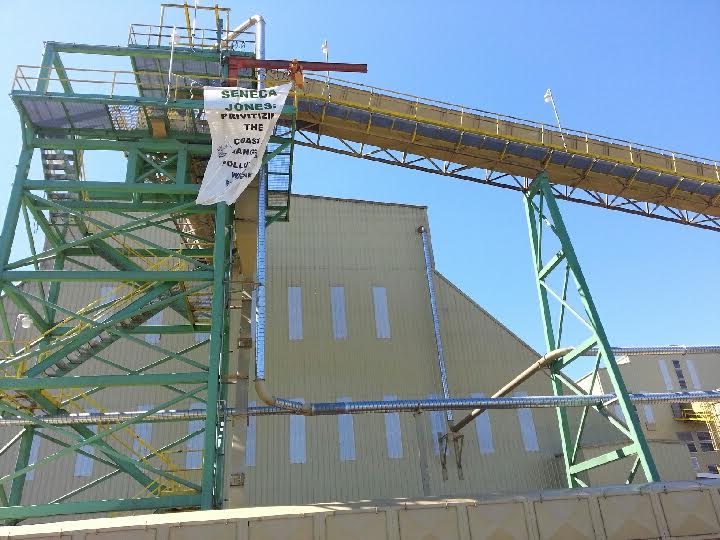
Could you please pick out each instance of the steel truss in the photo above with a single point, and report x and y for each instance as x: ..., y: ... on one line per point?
x: 101, y: 236
x: 146, y: 241
x: 558, y: 274
x: 307, y: 135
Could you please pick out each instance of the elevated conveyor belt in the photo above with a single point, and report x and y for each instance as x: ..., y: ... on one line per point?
x: 404, y: 130
x: 392, y: 128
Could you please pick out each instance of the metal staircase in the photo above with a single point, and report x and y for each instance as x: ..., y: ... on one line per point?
x: 63, y: 165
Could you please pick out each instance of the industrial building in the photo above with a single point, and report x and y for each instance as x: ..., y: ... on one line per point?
x: 675, y: 369
x: 297, y: 363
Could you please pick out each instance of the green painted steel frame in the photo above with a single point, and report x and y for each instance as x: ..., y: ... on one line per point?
x: 208, y: 376
x: 156, y: 186
x: 544, y: 218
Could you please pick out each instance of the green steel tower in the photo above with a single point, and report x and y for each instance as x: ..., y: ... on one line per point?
x: 143, y: 237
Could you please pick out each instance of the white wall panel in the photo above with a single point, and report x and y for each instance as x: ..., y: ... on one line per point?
x: 346, y: 434
x: 527, y: 427
x: 298, y: 447
x: 483, y: 430
x: 437, y: 426
x: 649, y: 414
x: 662, y: 364
x: 693, y: 374
x: 33, y: 457
x: 84, y: 464
x: 337, y: 306
x: 382, y: 318
x: 393, y: 432
x: 156, y: 319
x: 295, y: 320
x: 144, y: 432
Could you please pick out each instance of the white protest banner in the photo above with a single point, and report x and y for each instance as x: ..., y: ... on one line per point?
x: 241, y: 121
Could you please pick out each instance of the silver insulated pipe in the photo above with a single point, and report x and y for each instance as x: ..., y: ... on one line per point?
x: 361, y: 407
x: 435, y: 319
x: 261, y: 263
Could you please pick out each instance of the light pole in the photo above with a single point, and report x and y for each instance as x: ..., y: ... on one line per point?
x: 549, y: 99
x: 24, y: 320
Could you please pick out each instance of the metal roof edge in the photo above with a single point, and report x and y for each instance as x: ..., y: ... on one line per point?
x: 360, y: 201
x: 486, y: 312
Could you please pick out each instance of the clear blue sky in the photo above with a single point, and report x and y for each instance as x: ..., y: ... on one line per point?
x: 642, y: 70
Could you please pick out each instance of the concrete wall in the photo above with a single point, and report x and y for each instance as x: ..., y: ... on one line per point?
x: 687, y: 510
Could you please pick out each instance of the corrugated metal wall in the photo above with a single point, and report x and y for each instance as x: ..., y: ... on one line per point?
x: 360, y: 246
x: 663, y: 373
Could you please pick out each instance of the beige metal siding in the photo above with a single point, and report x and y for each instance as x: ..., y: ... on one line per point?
x: 358, y: 246
x: 670, y: 458
x: 644, y: 373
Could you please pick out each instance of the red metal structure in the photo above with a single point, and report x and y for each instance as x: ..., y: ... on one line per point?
x: 295, y: 67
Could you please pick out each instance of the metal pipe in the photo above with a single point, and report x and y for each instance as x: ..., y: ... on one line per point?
x: 362, y: 407
x: 260, y: 47
x: 670, y: 349
x: 514, y: 383
x: 252, y: 21
x: 260, y: 270
x: 436, y: 320
x: 260, y: 275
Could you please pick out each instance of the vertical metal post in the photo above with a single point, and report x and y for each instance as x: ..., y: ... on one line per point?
x: 181, y: 167
x: 45, y: 69
x: 541, y: 209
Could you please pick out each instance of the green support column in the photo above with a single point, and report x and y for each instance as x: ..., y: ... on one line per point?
x: 12, y: 212
x: 546, y: 226
x: 48, y: 62
x: 22, y: 461
x: 181, y: 167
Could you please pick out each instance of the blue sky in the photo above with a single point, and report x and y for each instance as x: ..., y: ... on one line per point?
x: 643, y: 71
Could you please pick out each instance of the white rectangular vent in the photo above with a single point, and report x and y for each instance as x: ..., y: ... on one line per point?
x: 297, y: 437
x: 527, y: 427
x: 382, y: 318
x: 337, y: 305
x: 295, y: 321
x: 346, y: 434
x: 483, y: 430
x: 393, y: 433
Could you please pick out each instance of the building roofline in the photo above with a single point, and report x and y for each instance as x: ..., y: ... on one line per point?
x: 488, y: 314
x: 363, y: 201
